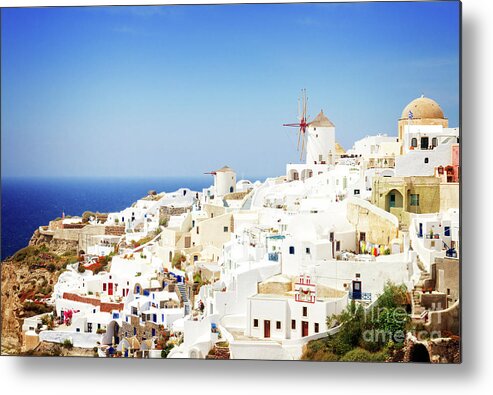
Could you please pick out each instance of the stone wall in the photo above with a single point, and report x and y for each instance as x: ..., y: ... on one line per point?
x: 373, y: 222
x: 142, y: 332
x: 165, y: 212
x: 276, y: 288
x: 114, y: 230
x: 449, y: 283
x: 73, y: 226
x: 440, y: 350
x: 444, y: 321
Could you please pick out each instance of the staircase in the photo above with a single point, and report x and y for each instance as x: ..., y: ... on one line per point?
x: 419, y: 313
x: 183, y: 292
x: 219, y: 351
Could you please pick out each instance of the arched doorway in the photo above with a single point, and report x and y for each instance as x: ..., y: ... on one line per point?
x: 393, y: 200
x: 419, y: 353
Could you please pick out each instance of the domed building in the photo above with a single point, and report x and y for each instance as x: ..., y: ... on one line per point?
x: 421, y: 111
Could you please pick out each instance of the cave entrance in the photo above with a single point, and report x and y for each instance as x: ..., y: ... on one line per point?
x: 419, y: 353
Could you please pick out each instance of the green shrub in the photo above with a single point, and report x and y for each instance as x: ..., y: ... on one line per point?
x: 67, y: 344
x: 24, y: 253
x: 357, y: 355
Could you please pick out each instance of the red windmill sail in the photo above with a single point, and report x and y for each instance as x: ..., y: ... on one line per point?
x: 303, y: 122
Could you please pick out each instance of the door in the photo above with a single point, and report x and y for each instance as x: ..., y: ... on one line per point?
x: 304, y: 328
x: 356, y: 289
x: 425, y: 142
x: 110, y: 288
x: 392, y: 200
x: 420, y: 230
x: 266, y: 328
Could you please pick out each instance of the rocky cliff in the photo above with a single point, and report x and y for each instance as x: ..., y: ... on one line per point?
x: 28, y: 278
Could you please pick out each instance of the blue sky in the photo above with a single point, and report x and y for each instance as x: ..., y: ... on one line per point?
x: 180, y: 90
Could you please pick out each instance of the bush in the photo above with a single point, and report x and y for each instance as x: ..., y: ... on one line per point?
x: 167, y: 349
x: 177, y: 260
x: 67, y: 344
x: 86, y: 215
x: 357, y: 355
x: 24, y: 253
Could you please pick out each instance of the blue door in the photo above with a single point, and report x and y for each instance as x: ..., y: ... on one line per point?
x: 356, y: 289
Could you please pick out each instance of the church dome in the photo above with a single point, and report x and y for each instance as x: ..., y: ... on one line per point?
x: 423, y: 107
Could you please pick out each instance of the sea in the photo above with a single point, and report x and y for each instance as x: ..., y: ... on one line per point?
x: 28, y: 203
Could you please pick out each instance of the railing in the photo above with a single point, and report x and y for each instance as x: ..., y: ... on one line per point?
x: 360, y: 295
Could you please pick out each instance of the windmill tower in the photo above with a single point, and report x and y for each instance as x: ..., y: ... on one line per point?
x: 321, y: 143
x: 317, y: 136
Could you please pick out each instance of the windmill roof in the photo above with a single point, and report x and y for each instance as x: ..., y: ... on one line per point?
x: 225, y: 169
x: 321, y: 121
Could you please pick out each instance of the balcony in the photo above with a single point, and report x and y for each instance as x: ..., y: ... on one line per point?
x: 360, y: 296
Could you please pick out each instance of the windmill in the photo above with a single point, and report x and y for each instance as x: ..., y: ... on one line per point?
x: 302, y: 122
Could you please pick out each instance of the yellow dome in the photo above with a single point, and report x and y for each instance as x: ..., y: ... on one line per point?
x: 423, y: 107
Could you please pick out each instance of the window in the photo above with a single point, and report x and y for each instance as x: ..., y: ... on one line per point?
x: 414, y: 199
x: 338, y: 246
x: 434, y: 142
x: 307, y: 250
x: 77, y: 329
x: 316, y: 327
x: 278, y: 324
x: 356, y: 191
x: 231, y: 189
x: 197, y: 230
x: 225, y: 229
x: 89, y: 326
x: 426, y: 160
x: 414, y: 142
x: 305, y: 311
x: 446, y: 231
x: 255, y: 323
x: 331, y: 237
x: 153, y: 332
x: 293, y: 324
x: 135, y: 330
x: 291, y: 250
x: 104, y: 287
